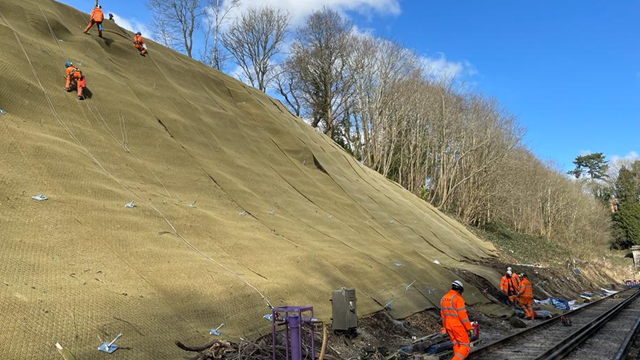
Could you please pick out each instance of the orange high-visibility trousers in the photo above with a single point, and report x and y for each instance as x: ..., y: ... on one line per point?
x: 76, y: 80
x: 460, y: 340
x: 91, y: 23
x: 141, y: 48
x: 527, y: 305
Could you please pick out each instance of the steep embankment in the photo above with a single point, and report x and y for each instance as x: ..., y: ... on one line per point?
x: 279, y: 209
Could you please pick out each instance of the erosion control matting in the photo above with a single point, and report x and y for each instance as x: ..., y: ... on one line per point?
x: 238, y: 203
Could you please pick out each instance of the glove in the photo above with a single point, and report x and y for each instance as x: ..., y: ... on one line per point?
x: 471, y: 332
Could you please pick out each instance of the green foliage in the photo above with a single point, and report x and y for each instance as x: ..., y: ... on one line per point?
x: 424, y: 193
x: 595, y: 165
x: 627, y: 219
x: 525, y: 248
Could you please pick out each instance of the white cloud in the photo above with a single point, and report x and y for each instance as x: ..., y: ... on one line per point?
x: 300, y: 9
x: 629, y: 158
x: 133, y: 25
x: 238, y: 73
x: 363, y: 32
x: 438, y: 67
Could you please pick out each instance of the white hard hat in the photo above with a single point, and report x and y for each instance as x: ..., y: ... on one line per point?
x: 509, y: 268
x: 509, y: 272
x: 458, y: 284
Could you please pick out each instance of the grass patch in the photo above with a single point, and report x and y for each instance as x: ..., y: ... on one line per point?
x: 526, y: 249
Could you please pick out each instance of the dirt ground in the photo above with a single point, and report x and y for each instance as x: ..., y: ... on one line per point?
x: 380, y: 335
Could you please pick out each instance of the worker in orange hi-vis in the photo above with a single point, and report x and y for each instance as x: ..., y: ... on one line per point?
x: 514, y: 275
x: 138, y: 42
x: 96, y: 17
x: 74, y: 78
x: 526, y: 297
x: 455, y: 321
x: 510, y: 286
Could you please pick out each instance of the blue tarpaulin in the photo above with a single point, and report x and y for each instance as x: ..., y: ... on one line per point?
x: 561, y: 304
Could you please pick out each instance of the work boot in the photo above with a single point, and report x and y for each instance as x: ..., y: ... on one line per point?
x: 67, y: 89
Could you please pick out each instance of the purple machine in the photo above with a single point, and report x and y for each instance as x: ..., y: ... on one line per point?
x: 291, y: 319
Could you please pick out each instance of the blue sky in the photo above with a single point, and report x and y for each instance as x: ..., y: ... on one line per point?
x: 570, y: 70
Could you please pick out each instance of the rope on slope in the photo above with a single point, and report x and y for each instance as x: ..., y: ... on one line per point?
x: 123, y: 143
x: 90, y: 155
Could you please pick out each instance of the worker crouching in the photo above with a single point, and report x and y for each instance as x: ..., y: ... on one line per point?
x: 455, y: 321
x: 74, y: 78
x: 138, y: 42
x: 526, y: 297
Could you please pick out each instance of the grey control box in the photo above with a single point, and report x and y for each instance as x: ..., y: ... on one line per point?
x: 343, y: 309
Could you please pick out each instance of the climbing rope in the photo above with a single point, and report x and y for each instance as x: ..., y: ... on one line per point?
x: 127, y: 188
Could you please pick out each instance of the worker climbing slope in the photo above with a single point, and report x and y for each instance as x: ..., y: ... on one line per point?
x: 74, y: 78
x: 96, y: 17
x: 509, y: 285
x: 138, y: 42
x: 455, y: 320
x: 526, y: 297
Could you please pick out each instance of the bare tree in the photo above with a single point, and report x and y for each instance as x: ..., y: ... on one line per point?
x: 254, y: 39
x: 164, y: 36
x: 319, y: 63
x: 179, y: 19
x: 216, y: 13
x: 288, y: 86
x: 382, y: 71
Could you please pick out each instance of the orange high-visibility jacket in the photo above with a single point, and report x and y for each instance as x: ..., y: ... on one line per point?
x: 516, y: 278
x: 97, y: 15
x: 138, y: 40
x: 526, y: 289
x: 453, y: 311
x: 74, y: 73
x: 509, y: 285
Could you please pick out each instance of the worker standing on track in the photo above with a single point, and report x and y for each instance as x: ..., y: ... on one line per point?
x: 138, y: 42
x: 526, y: 298
x: 96, y: 17
x: 510, y: 285
x: 74, y: 78
x: 456, y: 321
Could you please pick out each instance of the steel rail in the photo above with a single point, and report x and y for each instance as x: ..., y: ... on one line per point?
x: 628, y: 342
x: 568, y: 344
x: 486, y: 348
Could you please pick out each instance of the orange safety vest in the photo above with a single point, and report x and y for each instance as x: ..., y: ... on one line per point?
x: 453, y: 311
x: 509, y: 285
x: 516, y: 278
x: 137, y: 39
x: 97, y: 15
x: 74, y: 73
x: 526, y: 289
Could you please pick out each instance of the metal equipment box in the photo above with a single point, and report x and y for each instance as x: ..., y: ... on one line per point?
x: 343, y: 309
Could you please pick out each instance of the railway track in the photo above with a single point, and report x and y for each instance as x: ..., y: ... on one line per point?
x: 602, y: 330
